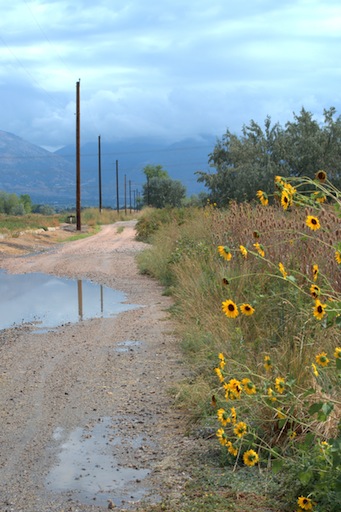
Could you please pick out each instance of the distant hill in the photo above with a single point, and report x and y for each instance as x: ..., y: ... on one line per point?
x: 28, y: 169
x: 49, y: 178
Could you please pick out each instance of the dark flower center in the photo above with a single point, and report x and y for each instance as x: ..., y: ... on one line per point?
x: 231, y: 307
x: 319, y: 309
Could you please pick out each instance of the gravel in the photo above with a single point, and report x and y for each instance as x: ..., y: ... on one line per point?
x: 95, y: 393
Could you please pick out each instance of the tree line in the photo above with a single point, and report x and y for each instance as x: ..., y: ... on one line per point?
x: 250, y: 162
x: 12, y: 204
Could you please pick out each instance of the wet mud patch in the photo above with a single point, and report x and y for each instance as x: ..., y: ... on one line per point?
x: 98, y: 463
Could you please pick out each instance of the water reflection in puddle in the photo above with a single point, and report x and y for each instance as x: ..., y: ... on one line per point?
x: 88, y: 467
x: 51, y: 301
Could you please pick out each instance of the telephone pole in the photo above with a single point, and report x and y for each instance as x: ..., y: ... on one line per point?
x: 99, y: 175
x: 78, y: 159
x: 117, y: 191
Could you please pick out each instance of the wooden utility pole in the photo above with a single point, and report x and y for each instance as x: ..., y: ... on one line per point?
x: 125, y: 194
x: 78, y: 159
x: 99, y: 175
x: 130, y: 196
x: 117, y: 191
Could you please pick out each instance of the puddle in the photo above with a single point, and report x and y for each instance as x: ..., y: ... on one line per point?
x: 126, y: 346
x: 89, y: 465
x: 50, y: 301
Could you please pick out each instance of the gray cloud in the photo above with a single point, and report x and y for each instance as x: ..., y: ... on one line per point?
x: 168, y: 68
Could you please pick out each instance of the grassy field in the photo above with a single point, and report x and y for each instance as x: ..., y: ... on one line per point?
x: 257, y: 301
x: 90, y: 217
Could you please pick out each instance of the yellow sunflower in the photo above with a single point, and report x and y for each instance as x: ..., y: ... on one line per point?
x: 260, y: 249
x: 243, y: 250
x: 240, y: 429
x: 262, y: 196
x: 312, y: 222
x: 282, y: 270
x: 231, y: 449
x: 267, y: 363
x: 315, y: 372
x: 233, y: 413
x: 319, y: 309
x: 249, y: 387
x: 230, y: 308
x: 250, y: 458
x: 315, y: 291
x: 322, y: 359
x: 219, y: 374
x: 305, y: 503
x: 225, y: 252
x: 319, y: 197
x: 271, y: 395
x: 338, y: 257
x: 247, y: 309
x: 321, y: 176
x: 233, y: 389
x: 337, y: 353
x: 221, y: 436
x: 223, y: 417
x: 280, y: 385
x: 222, y: 363
x: 315, y: 270
x: 285, y: 199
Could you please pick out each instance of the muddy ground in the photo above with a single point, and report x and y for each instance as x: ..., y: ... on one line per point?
x: 94, y: 392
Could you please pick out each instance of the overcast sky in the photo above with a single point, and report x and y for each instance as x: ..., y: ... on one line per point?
x: 168, y: 68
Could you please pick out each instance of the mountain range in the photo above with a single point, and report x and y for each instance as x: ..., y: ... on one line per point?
x: 50, y: 177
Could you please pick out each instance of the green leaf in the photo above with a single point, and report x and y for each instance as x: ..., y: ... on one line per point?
x: 310, y: 391
x: 338, y: 363
x: 305, y: 476
x: 292, y: 279
x: 277, y: 465
x: 315, y: 408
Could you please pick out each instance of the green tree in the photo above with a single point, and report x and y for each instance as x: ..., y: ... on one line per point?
x: 244, y: 164
x: 26, y: 201
x: 161, y: 192
x: 247, y: 163
x: 155, y: 171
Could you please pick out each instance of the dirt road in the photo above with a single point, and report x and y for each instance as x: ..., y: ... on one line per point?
x: 86, y: 415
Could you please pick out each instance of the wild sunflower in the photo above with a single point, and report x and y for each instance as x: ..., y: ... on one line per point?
x: 249, y: 387
x: 321, y: 176
x: 280, y: 414
x: 315, y: 291
x: 231, y: 449
x: 315, y: 270
x: 240, y: 429
x: 233, y: 414
x: 285, y: 199
x: 290, y: 189
x: 315, y: 372
x: 319, y: 197
x: 322, y: 359
x: 233, y: 389
x: 222, y: 363
x: 267, y: 363
x: 280, y: 385
x: 243, y: 250
x: 225, y: 252
x: 338, y: 257
x: 337, y: 353
x: 223, y: 417
x: 312, y: 222
x: 260, y: 249
x: 230, y: 308
x: 305, y: 503
x: 282, y: 270
x: 250, y: 458
x: 271, y: 395
x: 221, y: 436
x: 219, y: 374
x: 319, y: 309
x: 263, y: 197
x: 247, y: 309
